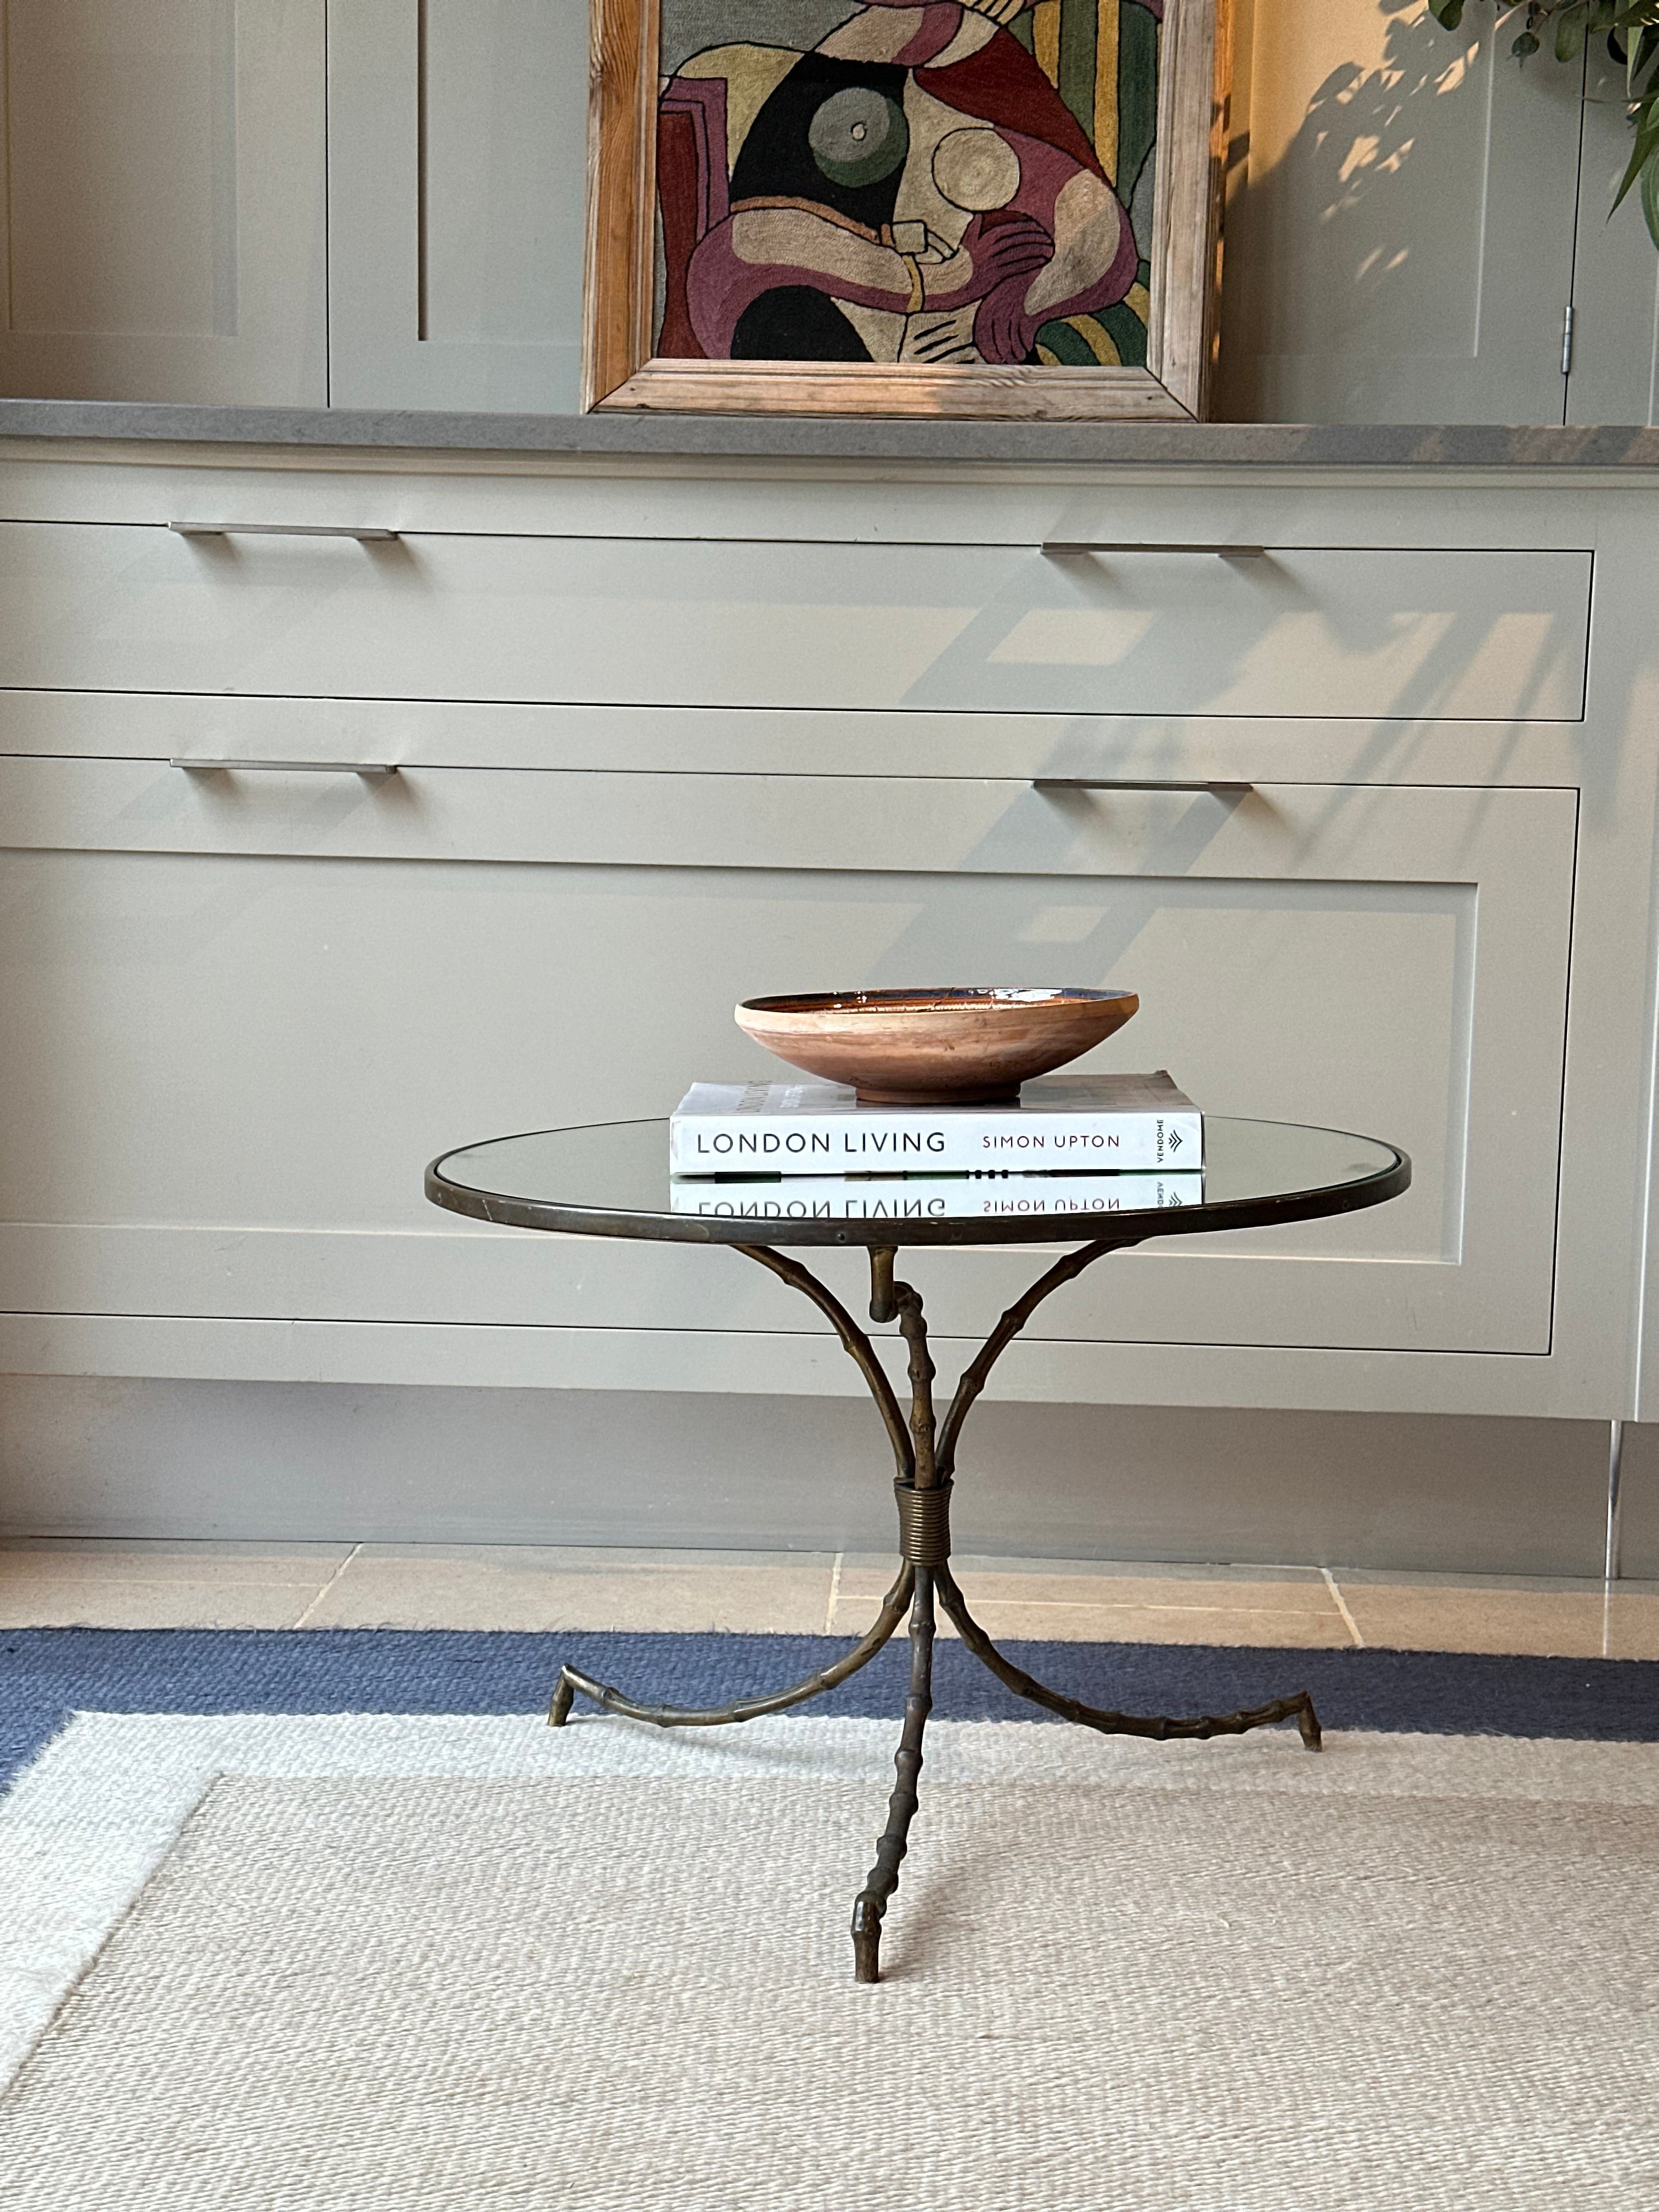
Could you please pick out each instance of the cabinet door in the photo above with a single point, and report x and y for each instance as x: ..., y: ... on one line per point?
x: 164, y: 192
x: 1399, y: 224
x: 1615, y: 277
x: 242, y: 1016
x: 457, y: 138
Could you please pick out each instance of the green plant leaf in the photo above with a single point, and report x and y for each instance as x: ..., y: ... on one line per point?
x: 1651, y: 196
x: 1626, y: 33
x: 1631, y: 27
x: 1647, y: 144
x: 1571, y: 27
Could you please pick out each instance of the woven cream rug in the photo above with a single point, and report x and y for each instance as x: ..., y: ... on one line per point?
x: 1260, y: 1982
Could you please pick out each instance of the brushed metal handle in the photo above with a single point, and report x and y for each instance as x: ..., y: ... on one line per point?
x: 285, y: 530
x: 1219, y: 787
x: 196, y: 765
x: 1057, y: 548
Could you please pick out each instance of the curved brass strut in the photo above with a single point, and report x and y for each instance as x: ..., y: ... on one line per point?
x: 1161, y: 1729
x: 571, y: 1680
x: 924, y: 1452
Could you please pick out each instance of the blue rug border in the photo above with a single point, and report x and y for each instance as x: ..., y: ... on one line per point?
x: 48, y: 1673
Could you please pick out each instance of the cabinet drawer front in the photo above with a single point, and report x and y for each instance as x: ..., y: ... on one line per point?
x: 1301, y: 631
x: 231, y: 1053
x: 953, y: 745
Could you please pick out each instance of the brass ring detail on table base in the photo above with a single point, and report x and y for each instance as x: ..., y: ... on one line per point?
x: 923, y: 1450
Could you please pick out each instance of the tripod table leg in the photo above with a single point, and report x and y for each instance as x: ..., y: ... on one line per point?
x: 1161, y: 1728
x: 871, y: 1900
x: 923, y: 1451
x: 744, y: 1708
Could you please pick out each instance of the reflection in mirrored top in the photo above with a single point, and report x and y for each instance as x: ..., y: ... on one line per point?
x: 981, y: 1197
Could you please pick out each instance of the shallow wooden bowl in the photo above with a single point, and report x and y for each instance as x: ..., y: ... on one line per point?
x: 934, y: 1047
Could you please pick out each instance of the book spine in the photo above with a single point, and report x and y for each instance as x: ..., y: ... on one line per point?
x: 835, y: 1144
x: 924, y: 1198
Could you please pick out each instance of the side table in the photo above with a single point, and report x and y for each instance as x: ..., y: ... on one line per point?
x: 611, y: 1180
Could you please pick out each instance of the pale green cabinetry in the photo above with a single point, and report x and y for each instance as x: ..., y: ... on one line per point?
x: 1615, y: 350
x: 1412, y: 213
x: 304, y: 203
x: 163, y: 196
x: 663, y: 741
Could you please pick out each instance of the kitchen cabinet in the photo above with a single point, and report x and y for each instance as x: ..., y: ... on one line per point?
x: 1292, y: 631
x: 244, y: 1003
x: 1401, y: 219
x: 457, y: 152
x: 298, y: 987
x: 164, y: 200
x: 1615, y: 282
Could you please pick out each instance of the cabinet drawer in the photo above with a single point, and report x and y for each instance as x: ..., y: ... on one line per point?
x: 1301, y: 631
x: 236, y: 1028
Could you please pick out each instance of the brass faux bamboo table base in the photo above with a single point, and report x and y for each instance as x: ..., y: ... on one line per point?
x: 925, y: 1449
x: 610, y: 1179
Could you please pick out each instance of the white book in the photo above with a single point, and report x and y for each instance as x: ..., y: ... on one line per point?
x: 927, y: 1198
x: 1064, y: 1121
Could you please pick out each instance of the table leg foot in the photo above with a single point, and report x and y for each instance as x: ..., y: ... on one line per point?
x: 1161, y: 1727
x: 872, y: 1901
x: 867, y: 1943
x: 609, y: 1700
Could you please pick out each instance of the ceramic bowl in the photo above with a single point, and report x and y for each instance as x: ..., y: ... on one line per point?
x: 934, y: 1047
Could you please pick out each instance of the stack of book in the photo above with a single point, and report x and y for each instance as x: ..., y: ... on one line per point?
x: 1074, y: 1144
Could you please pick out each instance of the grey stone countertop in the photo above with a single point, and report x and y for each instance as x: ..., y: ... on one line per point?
x: 1159, y: 444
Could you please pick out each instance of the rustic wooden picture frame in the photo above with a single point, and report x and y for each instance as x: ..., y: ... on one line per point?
x: 619, y: 371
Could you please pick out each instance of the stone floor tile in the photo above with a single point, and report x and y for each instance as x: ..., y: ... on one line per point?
x: 454, y: 1589
x: 1050, y: 1621
x: 1140, y: 1601
x: 38, y: 1560
x: 1178, y: 1570
x: 171, y: 1583
x: 1422, y: 1616
x: 1411, y: 1578
x: 64, y: 1602
x: 586, y: 1558
x: 1632, y: 1623
x: 872, y: 1571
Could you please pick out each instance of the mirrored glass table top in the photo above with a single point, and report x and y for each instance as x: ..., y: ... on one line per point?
x: 611, y: 1179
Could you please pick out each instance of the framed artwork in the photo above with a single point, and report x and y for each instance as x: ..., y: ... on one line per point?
x: 1001, y: 208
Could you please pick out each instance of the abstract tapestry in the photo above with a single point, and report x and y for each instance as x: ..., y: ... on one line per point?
x: 963, y: 183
